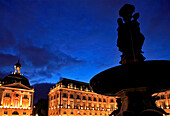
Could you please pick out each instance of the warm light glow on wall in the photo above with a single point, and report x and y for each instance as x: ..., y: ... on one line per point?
x: 21, y: 101
x: 70, y: 98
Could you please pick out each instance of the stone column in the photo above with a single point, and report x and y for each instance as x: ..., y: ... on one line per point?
x: 32, y: 95
x: 2, y: 97
x: 68, y: 103
x: 21, y: 100
x: 12, y: 99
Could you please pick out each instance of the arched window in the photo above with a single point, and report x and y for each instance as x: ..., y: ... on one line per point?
x: 64, y: 95
x: 71, y: 95
x: 111, y: 100
x: 5, y: 112
x: 78, y: 97
x: 95, y: 99
x: 89, y: 98
x: 15, y: 113
x: 84, y: 98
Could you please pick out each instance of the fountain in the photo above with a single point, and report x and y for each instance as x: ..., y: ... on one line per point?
x: 135, y: 80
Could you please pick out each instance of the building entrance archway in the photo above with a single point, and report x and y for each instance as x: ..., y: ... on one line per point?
x: 15, y: 113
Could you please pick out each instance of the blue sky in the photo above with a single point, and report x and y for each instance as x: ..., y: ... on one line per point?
x: 74, y: 39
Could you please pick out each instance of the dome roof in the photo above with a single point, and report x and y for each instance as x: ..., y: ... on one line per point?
x: 16, y: 78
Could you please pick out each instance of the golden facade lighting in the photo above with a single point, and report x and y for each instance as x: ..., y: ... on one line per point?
x: 70, y: 98
x: 16, y: 94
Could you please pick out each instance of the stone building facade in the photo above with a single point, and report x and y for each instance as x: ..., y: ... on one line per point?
x: 74, y: 98
x: 16, y: 94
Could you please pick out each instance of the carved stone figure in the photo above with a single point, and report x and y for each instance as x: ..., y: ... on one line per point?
x: 130, y: 40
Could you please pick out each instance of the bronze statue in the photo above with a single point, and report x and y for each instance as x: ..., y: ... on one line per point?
x: 130, y: 40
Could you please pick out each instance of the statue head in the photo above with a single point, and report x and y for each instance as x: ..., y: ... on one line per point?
x: 126, y: 12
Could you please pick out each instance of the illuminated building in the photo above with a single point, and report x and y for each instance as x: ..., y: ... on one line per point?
x: 164, y: 100
x: 71, y: 98
x: 16, y: 94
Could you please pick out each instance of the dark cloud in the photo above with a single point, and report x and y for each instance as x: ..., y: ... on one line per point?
x: 40, y: 63
x: 40, y: 57
x: 7, y: 59
x: 3, y: 74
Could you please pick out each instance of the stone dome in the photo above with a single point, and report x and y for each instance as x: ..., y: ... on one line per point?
x: 16, y: 78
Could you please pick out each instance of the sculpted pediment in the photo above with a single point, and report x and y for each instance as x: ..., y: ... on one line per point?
x: 17, y: 85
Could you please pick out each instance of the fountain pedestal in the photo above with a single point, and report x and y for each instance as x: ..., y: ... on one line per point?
x: 138, y: 102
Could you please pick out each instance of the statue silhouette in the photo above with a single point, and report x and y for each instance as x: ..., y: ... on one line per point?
x: 130, y: 40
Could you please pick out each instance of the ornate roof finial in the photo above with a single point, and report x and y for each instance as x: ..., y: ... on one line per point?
x: 17, y: 67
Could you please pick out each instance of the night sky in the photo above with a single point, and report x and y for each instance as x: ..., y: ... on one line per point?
x: 74, y: 39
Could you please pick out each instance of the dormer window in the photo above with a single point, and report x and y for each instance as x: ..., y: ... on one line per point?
x: 71, y: 85
x: 89, y: 98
